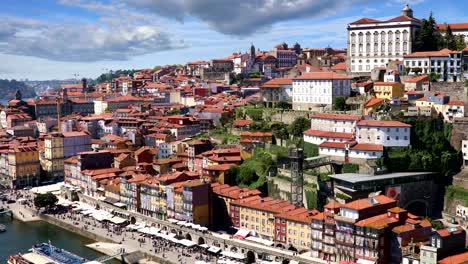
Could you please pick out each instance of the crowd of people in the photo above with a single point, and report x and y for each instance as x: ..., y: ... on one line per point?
x: 153, y: 245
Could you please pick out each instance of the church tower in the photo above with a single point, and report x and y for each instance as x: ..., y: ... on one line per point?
x: 407, y: 11
x: 252, y: 52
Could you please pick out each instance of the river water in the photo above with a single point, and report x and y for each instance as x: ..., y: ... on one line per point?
x: 20, y: 236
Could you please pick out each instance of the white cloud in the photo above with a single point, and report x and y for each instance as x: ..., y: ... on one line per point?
x: 241, y: 17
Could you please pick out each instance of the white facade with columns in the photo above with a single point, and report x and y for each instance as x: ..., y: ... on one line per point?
x: 373, y: 43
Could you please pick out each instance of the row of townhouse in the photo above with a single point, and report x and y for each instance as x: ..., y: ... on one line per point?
x: 350, y: 136
x: 370, y: 229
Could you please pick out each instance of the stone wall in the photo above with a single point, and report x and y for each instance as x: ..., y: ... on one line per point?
x: 288, y: 117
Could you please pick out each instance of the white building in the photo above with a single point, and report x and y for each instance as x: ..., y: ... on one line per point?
x: 465, y: 152
x: 458, y: 29
x: 317, y: 90
x: 385, y: 133
x: 342, y: 123
x: 373, y: 43
x: 317, y: 137
x: 447, y: 63
x: 361, y: 151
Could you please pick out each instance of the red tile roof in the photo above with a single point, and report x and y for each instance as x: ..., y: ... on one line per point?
x: 448, y: 231
x: 365, y: 20
x: 455, y: 259
x: 422, y: 54
x: 301, y: 215
x: 418, y: 79
x: 368, y: 147
x: 339, y: 67
x: 242, y: 123
x: 365, y: 203
x: 379, y: 123
x: 337, y: 116
x: 374, y: 101
x: 455, y: 26
x: 322, y: 76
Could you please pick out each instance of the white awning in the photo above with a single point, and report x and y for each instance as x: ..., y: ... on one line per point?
x: 205, y: 246
x: 214, y: 249
x: 120, y: 205
x: 242, y: 233
x: 187, y: 243
x: 181, y: 223
x: 234, y: 255
x: 171, y: 220
x: 117, y: 220
x: 203, y: 228
x: 364, y: 261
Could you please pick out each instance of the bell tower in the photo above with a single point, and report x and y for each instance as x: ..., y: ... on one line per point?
x: 407, y: 11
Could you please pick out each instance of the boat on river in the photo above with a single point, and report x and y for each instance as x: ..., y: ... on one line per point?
x: 46, y: 253
x: 2, y: 228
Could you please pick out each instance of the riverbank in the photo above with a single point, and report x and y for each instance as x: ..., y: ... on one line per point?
x: 150, y: 251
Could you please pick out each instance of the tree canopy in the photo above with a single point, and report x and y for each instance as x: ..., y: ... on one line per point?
x: 46, y: 200
x: 298, y: 126
x: 427, y: 37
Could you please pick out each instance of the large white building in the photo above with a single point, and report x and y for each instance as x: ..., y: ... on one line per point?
x: 373, y: 43
x: 447, y: 63
x: 317, y: 90
x: 385, y: 133
x: 458, y: 29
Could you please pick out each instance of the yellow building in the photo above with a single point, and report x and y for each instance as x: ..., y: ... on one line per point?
x: 53, y: 162
x: 294, y: 228
x: 388, y: 90
x: 23, y: 166
x: 258, y: 214
x: 372, y: 105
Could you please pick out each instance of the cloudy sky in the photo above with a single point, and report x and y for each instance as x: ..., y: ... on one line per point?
x: 50, y: 39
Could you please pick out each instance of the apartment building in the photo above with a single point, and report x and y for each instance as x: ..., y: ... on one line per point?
x: 385, y: 133
x: 23, y: 166
x: 446, y: 63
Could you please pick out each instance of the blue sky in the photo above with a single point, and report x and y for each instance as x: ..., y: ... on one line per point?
x: 55, y: 39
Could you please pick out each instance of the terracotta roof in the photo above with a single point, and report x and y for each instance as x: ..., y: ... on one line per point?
x: 440, y: 53
x: 449, y: 231
x: 403, y: 18
x: 277, y: 82
x: 455, y: 259
x: 339, y: 67
x: 255, y: 134
x: 267, y: 204
x: 320, y: 133
x: 337, y: 116
x: 365, y: 20
x: 379, y: 123
x: 221, y: 167
x: 366, y: 202
x: 241, y: 122
x: 374, y: 101
x: 367, y: 147
x: 376, y: 222
x: 418, y: 79
x: 332, y: 205
x: 455, y: 102
x: 385, y: 83
x: 455, y: 26
x: 322, y: 76
x: 301, y: 215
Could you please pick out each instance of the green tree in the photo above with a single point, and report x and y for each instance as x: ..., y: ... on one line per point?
x: 298, y: 126
x: 255, y: 75
x: 434, y: 77
x: 247, y: 175
x: 450, y: 41
x: 280, y: 131
x: 460, y: 42
x: 284, y: 105
x: 427, y: 37
x: 255, y: 114
x: 157, y: 68
x: 340, y: 104
x: 46, y: 200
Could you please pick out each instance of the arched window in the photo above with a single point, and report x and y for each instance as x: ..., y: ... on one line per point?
x: 360, y: 37
x: 397, y: 35
x: 376, y: 47
x: 397, y: 47
x: 390, y: 36
x: 390, y: 47
x: 353, y: 48
x: 382, y: 36
x: 360, y: 48
x: 368, y: 48
x: 405, y: 46
x: 405, y: 35
x: 376, y: 36
x: 368, y: 35
x: 353, y: 37
x: 383, y: 47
